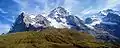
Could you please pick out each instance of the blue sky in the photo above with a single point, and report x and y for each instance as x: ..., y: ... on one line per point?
x: 10, y: 9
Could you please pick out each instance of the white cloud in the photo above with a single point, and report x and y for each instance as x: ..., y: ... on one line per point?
x: 4, y: 28
x: 2, y: 11
x: 74, y: 6
x: 70, y: 4
x: 8, y: 19
x: 112, y: 3
x: 33, y: 6
x: 89, y: 10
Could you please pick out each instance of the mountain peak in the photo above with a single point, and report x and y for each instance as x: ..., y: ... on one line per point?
x: 59, y: 7
x: 58, y: 12
x: 109, y: 10
x: 19, y: 24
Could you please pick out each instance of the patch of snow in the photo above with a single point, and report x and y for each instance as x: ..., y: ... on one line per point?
x: 104, y: 13
x: 89, y: 26
x: 110, y: 23
x: 96, y: 22
x: 32, y: 23
x: 55, y: 16
x: 37, y: 25
x: 55, y: 24
x: 63, y: 19
x: 32, y: 16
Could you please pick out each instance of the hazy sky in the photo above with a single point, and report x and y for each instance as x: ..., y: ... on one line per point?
x: 10, y: 9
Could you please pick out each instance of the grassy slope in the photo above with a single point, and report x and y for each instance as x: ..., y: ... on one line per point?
x: 50, y: 38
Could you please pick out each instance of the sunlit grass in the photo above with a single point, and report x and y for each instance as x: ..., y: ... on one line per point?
x: 50, y: 38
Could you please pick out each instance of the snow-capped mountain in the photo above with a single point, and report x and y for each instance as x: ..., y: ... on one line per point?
x: 107, y: 20
x: 60, y: 18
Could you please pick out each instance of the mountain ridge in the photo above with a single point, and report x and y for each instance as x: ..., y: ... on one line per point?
x: 108, y: 20
x: 59, y: 18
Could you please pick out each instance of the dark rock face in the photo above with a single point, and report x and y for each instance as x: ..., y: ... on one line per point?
x: 112, y: 28
x: 19, y: 25
x: 32, y: 28
x: 112, y: 18
x: 75, y: 22
x: 88, y: 20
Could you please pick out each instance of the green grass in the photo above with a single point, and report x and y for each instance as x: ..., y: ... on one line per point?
x: 50, y: 38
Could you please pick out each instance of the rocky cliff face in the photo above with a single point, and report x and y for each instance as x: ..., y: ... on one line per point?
x: 19, y: 25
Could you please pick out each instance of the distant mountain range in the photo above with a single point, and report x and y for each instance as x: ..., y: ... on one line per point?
x: 107, y: 20
x: 103, y: 25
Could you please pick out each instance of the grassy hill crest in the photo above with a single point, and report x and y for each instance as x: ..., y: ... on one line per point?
x: 51, y: 38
